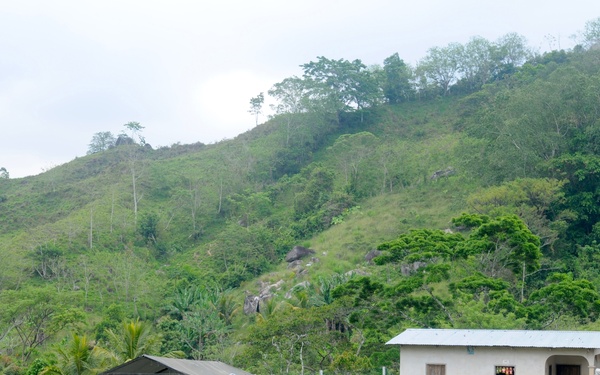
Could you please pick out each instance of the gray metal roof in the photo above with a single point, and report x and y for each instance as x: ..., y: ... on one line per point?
x: 505, y: 338
x: 148, y: 364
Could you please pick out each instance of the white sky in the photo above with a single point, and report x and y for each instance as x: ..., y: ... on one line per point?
x: 186, y: 69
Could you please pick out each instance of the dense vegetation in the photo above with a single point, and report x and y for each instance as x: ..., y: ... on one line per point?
x: 475, y: 176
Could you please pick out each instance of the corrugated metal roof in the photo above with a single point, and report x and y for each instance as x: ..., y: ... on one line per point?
x: 505, y: 338
x: 191, y: 367
x: 147, y: 364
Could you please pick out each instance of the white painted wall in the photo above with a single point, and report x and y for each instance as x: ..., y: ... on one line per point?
x: 483, y: 361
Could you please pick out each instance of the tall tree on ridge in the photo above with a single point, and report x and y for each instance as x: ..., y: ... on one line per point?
x: 339, y: 85
x: 441, y: 66
x: 591, y: 33
x: 291, y: 94
x: 135, y: 128
x: 397, y: 86
x: 256, y: 104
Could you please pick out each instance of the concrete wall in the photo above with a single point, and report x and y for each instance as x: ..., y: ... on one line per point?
x: 483, y: 360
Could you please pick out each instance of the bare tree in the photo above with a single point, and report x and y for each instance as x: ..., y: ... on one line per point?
x: 135, y: 129
x: 256, y: 104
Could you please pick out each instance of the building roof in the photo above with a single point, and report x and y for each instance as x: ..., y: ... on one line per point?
x: 147, y: 364
x: 504, y: 338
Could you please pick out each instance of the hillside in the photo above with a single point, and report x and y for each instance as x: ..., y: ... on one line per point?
x: 480, y: 195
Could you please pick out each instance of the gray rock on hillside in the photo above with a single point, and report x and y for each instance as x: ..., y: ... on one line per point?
x: 371, y: 255
x: 450, y: 171
x: 251, y: 304
x: 297, y: 253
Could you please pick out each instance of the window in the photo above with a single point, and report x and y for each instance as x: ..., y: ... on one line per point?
x: 505, y: 370
x: 436, y: 370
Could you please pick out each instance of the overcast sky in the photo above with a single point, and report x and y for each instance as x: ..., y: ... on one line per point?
x: 186, y: 70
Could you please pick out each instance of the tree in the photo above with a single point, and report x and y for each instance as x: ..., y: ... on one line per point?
x: 183, y: 300
x: 113, y: 316
x: 317, y: 190
x: 441, y: 66
x: 248, y: 207
x: 340, y: 85
x: 46, y: 260
x: 419, y: 245
x: 256, y: 104
x: 148, y: 227
x: 293, y: 341
x: 501, y: 244
x: 202, y: 326
x: 227, y: 306
x: 135, y: 129
x: 4, y: 174
x: 291, y: 94
x: 563, y: 296
x: 397, y: 87
x: 512, y: 50
x: 101, y: 141
x: 202, y: 317
x: 79, y: 357
x: 533, y: 200
x: 134, y: 339
x: 534, y: 123
x: 34, y: 316
x: 591, y: 33
x: 488, y: 314
x: 582, y: 196
x: 476, y: 63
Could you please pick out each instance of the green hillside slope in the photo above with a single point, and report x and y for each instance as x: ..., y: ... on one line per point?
x: 479, y: 196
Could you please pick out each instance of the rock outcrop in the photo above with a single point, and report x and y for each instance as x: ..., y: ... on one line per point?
x: 297, y: 253
x: 371, y: 255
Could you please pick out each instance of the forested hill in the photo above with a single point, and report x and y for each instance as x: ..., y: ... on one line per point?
x: 470, y: 181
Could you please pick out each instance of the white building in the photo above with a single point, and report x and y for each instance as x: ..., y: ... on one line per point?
x: 492, y: 352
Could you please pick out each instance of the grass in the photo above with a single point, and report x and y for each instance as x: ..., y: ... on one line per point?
x: 342, y: 247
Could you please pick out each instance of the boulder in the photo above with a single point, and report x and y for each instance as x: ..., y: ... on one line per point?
x: 251, y: 304
x: 297, y: 253
x: 356, y: 272
x: 266, y: 292
x: 443, y: 173
x: 372, y: 254
x: 266, y: 289
x: 124, y: 139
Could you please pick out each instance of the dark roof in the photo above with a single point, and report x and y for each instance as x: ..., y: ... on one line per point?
x: 493, y: 337
x: 147, y: 364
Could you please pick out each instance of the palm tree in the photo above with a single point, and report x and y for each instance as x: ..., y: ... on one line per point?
x: 135, y: 339
x: 183, y: 301
x: 227, y: 307
x: 79, y: 357
x: 270, y: 307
